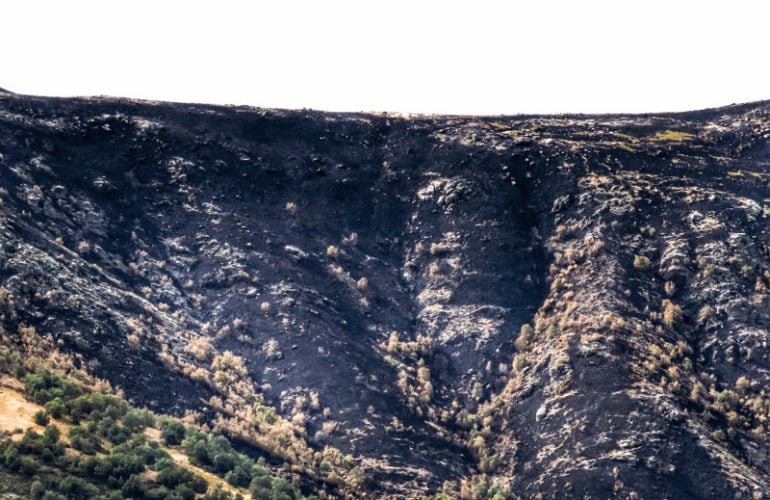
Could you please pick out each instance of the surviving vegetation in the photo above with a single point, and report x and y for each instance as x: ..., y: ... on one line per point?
x: 93, y: 444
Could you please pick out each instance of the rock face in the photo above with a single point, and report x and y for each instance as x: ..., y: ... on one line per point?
x: 566, y: 306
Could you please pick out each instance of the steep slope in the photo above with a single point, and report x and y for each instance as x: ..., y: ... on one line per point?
x: 368, y: 277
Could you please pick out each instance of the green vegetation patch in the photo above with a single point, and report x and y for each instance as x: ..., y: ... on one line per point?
x: 672, y: 136
x: 107, y: 453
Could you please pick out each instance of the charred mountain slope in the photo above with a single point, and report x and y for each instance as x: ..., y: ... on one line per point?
x: 400, y: 306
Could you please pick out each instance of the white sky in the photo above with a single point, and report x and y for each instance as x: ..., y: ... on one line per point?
x: 474, y: 57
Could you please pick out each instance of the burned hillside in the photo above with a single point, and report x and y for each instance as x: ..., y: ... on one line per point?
x: 401, y: 306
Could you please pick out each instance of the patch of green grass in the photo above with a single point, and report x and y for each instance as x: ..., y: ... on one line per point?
x: 672, y: 136
x: 625, y: 137
x: 628, y: 148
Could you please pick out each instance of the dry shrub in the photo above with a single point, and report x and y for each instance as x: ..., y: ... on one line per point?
x: 526, y: 334
x: 672, y: 313
x: 641, y: 262
x: 200, y: 348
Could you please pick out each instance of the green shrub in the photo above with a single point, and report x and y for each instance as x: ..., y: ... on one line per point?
x: 97, y: 406
x: 43, y: 386
x: 55, y: 408
x: 51, y: 434
x: 150, y: 454
x: 37, y: 489
x: 218, y: 493
x: 224, y: 462
x: 240, y: 476
x: 41, y: 417
x: 28, y: 465
x: 261, y: 487
x: 283, y: 490
x: 133, y: 487
x: 137, y: 420
x: 173, y: 475
x: 31, y: 443
x: 110, y: 429
x: 11, y: 457
x: 172, y: 432
x: 84, y: 440
x: 198, y: 484
x: 75, y: 487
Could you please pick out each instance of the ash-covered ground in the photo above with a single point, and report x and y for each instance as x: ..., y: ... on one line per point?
x: 402, y: 306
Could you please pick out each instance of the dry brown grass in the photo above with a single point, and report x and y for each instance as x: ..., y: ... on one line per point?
x: 15, y: 411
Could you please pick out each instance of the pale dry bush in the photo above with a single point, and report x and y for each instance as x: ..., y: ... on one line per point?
x: 224, y: 332
x: 272, y: 350
x: 200, y: 348
x: 228, y: 369
x: 299, y: 418
x: 742, y: 384
x: 420, y: 347
x: 442, y: 248
x: 596, y: 248
x: 198, y: 374
x: 433, y: 270
x: 672, y: 313
x: 330, y: 427
x: 705, y: 313
x: 191, y: 417
x: 134, y: 340
x: 526, y: 335
x: 315, y: 401
x: 520, y: 362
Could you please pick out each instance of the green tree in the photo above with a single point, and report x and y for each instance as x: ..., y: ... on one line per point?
x: 172, y: 431
x: 136, y: 420
x: 133, y: 487
x: 283, y: 490
x: 51, y: 434
x: 261, y: 487
x: 41, y: 417
x: 55, y: 408
x: 173, y: 475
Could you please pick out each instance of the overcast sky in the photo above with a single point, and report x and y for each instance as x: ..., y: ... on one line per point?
x: 474, y: 57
